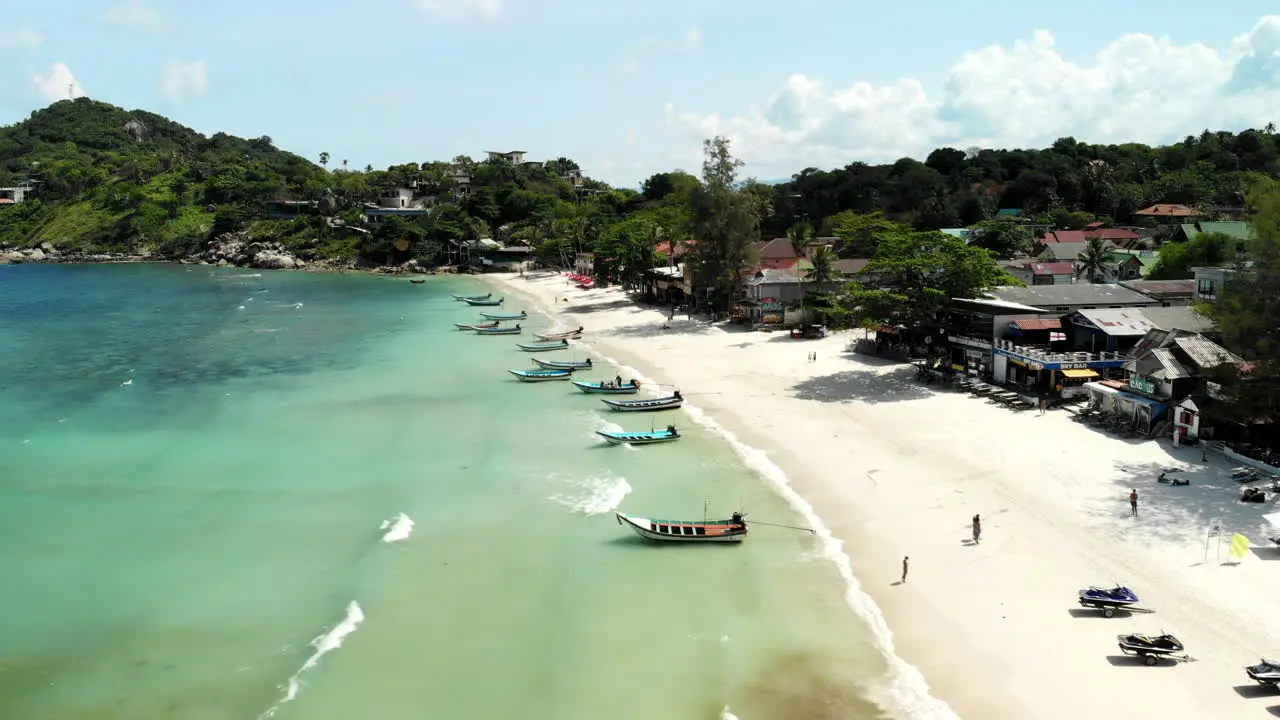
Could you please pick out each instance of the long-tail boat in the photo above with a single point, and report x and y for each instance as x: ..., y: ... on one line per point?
x: 541, y: 375
x: 671, y: 402
x: 486, y: 296
x: 513, y: 330
x: 483, y: 303
x: 563, y: 364
x: 508, y: 316
x: 640, y: 438
x: 608, y: 388
x: 543, y: 346
x: 732, y: 530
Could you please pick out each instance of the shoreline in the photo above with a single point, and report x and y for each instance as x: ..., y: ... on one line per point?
x: 896, y: 468
x: 319, y: 266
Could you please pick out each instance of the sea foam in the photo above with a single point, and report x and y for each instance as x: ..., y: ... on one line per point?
x: 323, y: 645
x: 397, y: 528
x: 595, y: 495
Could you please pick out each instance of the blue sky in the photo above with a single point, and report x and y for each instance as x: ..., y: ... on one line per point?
x: 629, y: 89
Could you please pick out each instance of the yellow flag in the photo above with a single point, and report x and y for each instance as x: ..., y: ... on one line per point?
x: 1239, y: 545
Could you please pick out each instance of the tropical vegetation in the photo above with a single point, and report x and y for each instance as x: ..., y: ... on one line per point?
x: 133, y: 181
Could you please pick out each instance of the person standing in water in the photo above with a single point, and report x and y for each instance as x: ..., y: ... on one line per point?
x: 977, y: 529
x: 1133, y: 503
x: 905, y: 567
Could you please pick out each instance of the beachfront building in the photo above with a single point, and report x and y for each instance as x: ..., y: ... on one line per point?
x: 974, y: 326
x: 1068, y: 298
x: 664, y: 284
x: 1120, y: 329
x: 1168, y: 214
x: 769, y: 289
x: 1164, y: 369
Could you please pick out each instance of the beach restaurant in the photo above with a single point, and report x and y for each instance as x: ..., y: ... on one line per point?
x: 1063, y: 373
x: 1111, y: 397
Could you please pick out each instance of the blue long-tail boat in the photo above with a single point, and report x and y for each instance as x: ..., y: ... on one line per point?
x: 486, y: 296
x: 543, y: 346
x: 608, y: 388
x: 508, y: 316
x: 640, y: 438
x: 483, y: 303
x: 563, y: 364
x: 541, y: 375
x: 513, y: 330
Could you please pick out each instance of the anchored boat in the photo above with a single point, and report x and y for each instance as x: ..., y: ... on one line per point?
x: 486, y: 296
x: 671, y: 402
x: 640, y: 438
x: 566, y: 335
x: 483, y: 302
x: 509, y: 316
x: 563, y: 364
x: 513, y: 330
x: 732, y: 530
x: 543, y: 346
x: 608, y: 388
x: 475, y: 326
x: 541, y: 375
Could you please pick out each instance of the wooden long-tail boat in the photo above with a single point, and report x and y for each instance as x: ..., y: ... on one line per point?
x: 475, y: 326
x: 640, y: 438
x: 508, y: 316
x: 483, y: 303
x: 513, y: 330
x: 608, y: 388
x: 672, y: 402
x: 541, y: 375
x: 563, y: 364
x: 486, y: 296
x: 566, y: 335
x: 723, y: 531
x: 543, y: 346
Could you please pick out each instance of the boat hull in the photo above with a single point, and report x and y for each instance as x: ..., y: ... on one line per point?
x: 637, y: 438
x: 562, y: 364
x: 483, y: 303
x: 495, y: 316
x: 597, y: 388
x: 644, y: 405
x: 472, y: 297
x: 498, y: 331
x: 650, y: 530
x: 542, y: 348
x: 475, y: 326
x: 560, y: 336
x: 540, y: 375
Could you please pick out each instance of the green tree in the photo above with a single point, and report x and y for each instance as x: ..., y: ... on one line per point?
x: 1005, y: 239
x: 823, y: 272
x: 324, y: 160
x: 1092, y: 262
x: 1177, y: 259
x: 860, y: 235
x: 915, y: 277
x: 724, y: 224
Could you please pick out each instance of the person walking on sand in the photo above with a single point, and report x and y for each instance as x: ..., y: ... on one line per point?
x: 1044, y: 405
x: 977, y: 529
x: 905, y: 566
x: 1133, y: 503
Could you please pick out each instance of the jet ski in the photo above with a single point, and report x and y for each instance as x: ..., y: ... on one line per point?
x: 1108, y: 600
x: 1266, y: 672
x: 1151, y: 647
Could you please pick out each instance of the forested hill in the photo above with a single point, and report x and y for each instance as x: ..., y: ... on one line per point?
x: 132, y: 181
x: 959, y: 188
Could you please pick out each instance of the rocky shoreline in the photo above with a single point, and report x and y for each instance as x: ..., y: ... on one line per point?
x: 228, y: 250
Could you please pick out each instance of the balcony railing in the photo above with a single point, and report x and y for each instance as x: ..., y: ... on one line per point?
x: 1046, y: 356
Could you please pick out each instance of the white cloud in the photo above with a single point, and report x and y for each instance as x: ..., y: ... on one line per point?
x: 1139, y: 88
x: 461, y: 9
x: 692, y: 37
x: 181, y: 81
x: 58, y: 84
x: 133, y: 15
x: 20, y: 39
x: 689, y: 39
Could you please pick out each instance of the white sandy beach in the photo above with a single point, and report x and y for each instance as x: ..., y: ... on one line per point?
x: 894, y: 467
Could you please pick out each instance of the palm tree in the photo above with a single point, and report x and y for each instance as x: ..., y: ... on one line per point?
x: 823, y: 271
x: 800, y: 234
x: 324, y: 160
x: 1092, y: 261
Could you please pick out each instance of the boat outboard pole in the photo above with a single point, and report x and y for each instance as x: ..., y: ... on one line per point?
x: 787, y: 527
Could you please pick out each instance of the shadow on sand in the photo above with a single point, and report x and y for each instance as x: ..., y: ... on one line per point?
x: 656, y: 328
x: 864, y: 386
x: 1254, y: 690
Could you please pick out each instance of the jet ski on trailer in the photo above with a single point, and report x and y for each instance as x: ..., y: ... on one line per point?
x: 1152, y: 647
x: 1108, y: 600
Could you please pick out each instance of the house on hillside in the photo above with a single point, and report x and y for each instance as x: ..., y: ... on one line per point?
x: 1240, y: 230
x: 290, y: 209
x: 514, y: 157
x: 1114, y: 236
x: 1051, y: 273
x: 1168, y: 213
x: 1210, y: 282
x: 396, y: 202
x: 1119, y: 266
x: 776, y: 254
x: 17, y: 194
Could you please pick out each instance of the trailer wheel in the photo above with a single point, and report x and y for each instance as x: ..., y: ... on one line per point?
x: 1149, y: 659
x: 1108, y: 612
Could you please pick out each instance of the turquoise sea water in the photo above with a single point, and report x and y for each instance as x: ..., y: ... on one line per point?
x: 199, y: 468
